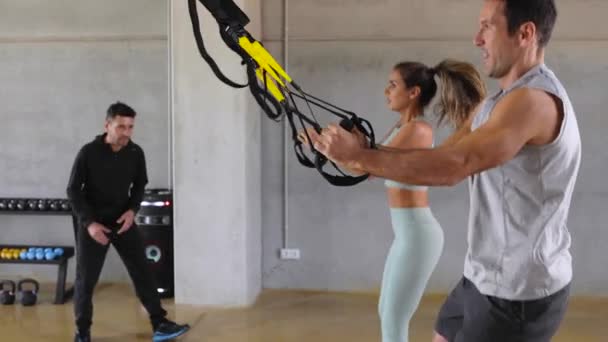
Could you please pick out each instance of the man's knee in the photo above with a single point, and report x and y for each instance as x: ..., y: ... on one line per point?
x: 439, y: 338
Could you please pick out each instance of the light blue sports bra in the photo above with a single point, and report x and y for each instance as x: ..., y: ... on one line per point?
x: 393, y: 184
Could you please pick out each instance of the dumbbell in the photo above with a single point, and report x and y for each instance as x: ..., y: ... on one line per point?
x: 55, y: 205
x: 48, y: 254
x: 33, y: 253
x: 21, y: 204
x: 28, y: 297
x: 39, y: 254
x: 12, y: 204
x: 13, y: 253
x: 32, y: 204
x: 7, y: 297
x: 6, y: 253
x: 53, y: 253
x: 65, y: 205
x: 43, y: 205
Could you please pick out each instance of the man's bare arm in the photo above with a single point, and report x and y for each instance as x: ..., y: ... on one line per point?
x: 517, y: 119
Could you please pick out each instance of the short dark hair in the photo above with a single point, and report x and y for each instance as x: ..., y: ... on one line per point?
x: 119, y: 109
x: 543, y: 13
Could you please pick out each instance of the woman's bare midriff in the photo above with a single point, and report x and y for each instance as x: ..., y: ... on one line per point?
x: 402, y: 198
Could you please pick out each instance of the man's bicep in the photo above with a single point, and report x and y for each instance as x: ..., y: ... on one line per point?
x: 495, y: 142
x: 515, y: 120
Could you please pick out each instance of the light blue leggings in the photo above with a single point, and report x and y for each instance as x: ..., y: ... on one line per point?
x: 411, y: 259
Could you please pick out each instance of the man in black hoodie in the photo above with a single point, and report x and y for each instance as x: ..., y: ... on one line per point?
x: 106, y: 188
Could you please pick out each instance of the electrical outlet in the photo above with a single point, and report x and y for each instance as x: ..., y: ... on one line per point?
x: 290, y: 253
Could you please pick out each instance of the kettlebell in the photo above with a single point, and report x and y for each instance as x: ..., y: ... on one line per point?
x: 28, y: 297
x: 7, y: 297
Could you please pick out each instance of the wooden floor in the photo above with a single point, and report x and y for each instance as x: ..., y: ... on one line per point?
x: 278, y: 316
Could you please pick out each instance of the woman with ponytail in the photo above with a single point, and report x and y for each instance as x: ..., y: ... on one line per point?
x: 418, y: 240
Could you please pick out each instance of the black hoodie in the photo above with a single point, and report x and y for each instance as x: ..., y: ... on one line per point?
x: 104, y: 184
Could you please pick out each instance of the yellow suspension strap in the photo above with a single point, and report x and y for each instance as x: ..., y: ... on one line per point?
x: 273, y: 89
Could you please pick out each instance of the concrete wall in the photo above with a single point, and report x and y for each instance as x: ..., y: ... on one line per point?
x: 343, y: 51
x: 217, y: 170
x: 61, y: 64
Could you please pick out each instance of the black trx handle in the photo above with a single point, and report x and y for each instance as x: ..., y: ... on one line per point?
x: 321, y: 160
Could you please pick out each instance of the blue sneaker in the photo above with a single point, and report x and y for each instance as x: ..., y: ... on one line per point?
x: 168, y: 330
x: 82, y: 336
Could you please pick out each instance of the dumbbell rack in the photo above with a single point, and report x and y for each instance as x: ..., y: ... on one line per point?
x: 61, y: 293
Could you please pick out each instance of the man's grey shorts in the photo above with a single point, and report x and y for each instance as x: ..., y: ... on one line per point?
x: 469, y: 316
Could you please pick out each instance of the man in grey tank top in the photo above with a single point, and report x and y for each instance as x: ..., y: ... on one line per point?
x: 521, y: 153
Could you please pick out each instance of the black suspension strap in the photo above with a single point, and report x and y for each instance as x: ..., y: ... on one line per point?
x: 273, y: 89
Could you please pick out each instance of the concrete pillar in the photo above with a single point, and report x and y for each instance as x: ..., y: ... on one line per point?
x: 216, y: 168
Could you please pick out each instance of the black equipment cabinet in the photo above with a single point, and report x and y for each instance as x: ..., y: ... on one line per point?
x: 155, y: 222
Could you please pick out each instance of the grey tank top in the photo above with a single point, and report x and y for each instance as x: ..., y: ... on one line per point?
x: 518, y: 240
